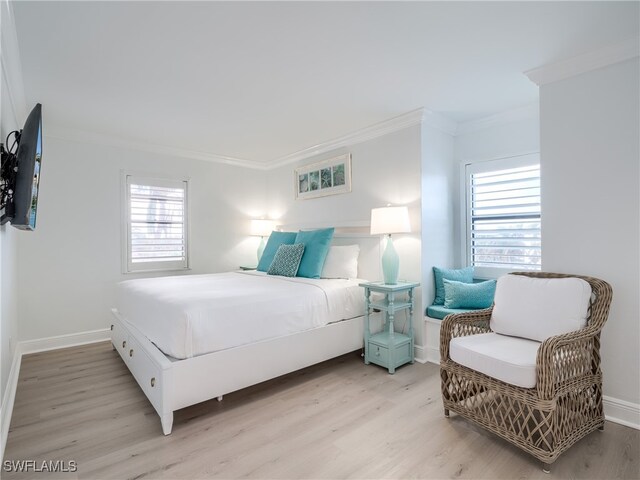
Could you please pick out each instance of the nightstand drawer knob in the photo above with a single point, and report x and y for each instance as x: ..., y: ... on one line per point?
x: 124, y: 344
x: 131, y: 352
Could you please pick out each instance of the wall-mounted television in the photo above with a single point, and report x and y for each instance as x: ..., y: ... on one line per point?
x: 22, y: 204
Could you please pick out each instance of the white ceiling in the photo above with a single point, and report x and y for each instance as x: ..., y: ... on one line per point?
x: 261, y: 80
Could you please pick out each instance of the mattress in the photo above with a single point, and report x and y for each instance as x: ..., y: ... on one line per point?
x: 190, y: 315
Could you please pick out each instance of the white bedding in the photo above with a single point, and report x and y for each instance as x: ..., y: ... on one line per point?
x: 190, y: 315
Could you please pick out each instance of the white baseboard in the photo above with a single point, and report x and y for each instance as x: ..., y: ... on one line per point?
x: 622, y: 412
x: 8, y: 398
x: 64, y: 341
x: 419, y: 354
x: 433, y: 355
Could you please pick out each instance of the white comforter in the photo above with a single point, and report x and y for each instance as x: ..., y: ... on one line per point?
x: 190, y: 315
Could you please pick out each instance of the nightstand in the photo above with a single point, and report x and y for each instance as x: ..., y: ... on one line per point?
x: 244, y: 267
x: 389, y: 348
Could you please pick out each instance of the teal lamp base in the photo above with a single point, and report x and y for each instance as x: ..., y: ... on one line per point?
x: 260, y: 248
x: 390, y: 263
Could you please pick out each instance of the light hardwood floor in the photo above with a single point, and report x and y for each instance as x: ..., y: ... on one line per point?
x: 338, y: 419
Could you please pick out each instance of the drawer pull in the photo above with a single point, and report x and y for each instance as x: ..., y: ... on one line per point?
x: 131, y: 352
x: 111, y: 327
x: 153, y: 382
x: 124, y: 344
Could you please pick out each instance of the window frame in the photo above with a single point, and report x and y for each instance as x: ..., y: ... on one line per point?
x: 467, y: 169
x: 127, y: 266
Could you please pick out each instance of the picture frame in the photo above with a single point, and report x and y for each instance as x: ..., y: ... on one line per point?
x: 328, y: 177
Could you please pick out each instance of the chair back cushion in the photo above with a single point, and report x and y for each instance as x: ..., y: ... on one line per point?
x: 539, y: 308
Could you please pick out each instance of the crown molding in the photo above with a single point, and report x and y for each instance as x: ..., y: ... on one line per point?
x: 527, y: 112
x: 603, y: 57
x: 81, y: 136
x: 11, y: 65
x: 419, y: 116
x: 440, y: 122
x: 409, y: 119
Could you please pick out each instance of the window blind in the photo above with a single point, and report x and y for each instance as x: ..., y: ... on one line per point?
x: 157, y: 224
x: 504, y: 214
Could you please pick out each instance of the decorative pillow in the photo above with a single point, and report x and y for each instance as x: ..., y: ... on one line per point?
x: 464, y: 275
x: 468, y: 295
x: 539, y: 308
x: 287, y: 260
x: 341, y: 262
x: 275, y: 240
x: 316, y: 246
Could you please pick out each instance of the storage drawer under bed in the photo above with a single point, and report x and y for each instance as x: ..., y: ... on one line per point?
x: 147, y: 373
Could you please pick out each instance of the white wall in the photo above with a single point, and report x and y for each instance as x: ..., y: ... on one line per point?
x: 503, y: 135
x: 439, y: 242
x: 8, y: 245
x: 12, y: 115
x: 384, y: 170
x: 508, y: 134
x: 591, y: 202
x: 70, y: 264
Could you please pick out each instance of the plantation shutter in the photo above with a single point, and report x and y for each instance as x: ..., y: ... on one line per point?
x: 156, y: 224
x: 504, y: 216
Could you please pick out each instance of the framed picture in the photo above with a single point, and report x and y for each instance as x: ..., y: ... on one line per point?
x: 329, y: 177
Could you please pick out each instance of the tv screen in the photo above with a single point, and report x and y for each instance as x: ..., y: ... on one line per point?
x: 29, y: 160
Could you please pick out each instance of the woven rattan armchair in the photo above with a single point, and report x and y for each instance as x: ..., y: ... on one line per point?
x: 566, y: 402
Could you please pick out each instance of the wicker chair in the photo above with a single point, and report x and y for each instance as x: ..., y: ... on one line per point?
x: 564, y: 405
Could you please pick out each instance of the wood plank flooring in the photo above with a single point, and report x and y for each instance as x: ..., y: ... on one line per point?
x: 338, y: 419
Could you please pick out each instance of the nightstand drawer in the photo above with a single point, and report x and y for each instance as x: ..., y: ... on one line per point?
x: 378, y: 355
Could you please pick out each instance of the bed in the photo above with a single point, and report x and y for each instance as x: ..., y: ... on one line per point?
x: 265, y: 326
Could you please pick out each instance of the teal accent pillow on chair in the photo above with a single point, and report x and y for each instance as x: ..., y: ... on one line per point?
x: 275, y: 240
x: 461, y: 275
x: 468, y: 295
x: 316, y: 247
x: 287, y: 260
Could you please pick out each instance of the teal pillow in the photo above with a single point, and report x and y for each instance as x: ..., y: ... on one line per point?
x: 316, y: 247
x: 275, y: 240
x: 462, y: 275
x: 468, y: 295
x: 287, y: 260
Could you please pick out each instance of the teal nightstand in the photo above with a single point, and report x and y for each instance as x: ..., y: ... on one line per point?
x: 389, y: 348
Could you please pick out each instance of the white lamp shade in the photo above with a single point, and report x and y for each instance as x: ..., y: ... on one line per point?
x: 261, y: 227
x: 390, y: 220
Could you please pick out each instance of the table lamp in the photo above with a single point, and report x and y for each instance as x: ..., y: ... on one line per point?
x: 261, y: 228
x: 385, y: 221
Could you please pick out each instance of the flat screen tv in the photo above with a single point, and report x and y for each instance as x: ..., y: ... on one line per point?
x: 29, y: 161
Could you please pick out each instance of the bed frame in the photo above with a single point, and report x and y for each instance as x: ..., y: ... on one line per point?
x: 172, y: 384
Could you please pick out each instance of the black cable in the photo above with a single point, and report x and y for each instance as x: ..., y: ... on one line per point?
x: 8, y: 173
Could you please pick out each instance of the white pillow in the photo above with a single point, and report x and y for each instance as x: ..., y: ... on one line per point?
x: 341, y: 262
x: 539, y: 308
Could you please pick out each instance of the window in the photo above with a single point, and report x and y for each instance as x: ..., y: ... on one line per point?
x: 156, y: 224
x: 503, y: 214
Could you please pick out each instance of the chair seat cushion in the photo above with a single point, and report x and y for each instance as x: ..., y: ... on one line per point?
x: 510, y: 359
x: 539, y: 308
